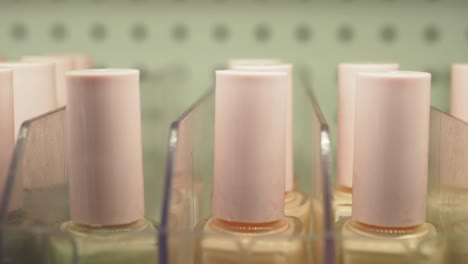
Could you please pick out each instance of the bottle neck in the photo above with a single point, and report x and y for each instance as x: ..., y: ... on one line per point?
x: 249, y: 227
x: 135, y: 224
x: 385, y: 230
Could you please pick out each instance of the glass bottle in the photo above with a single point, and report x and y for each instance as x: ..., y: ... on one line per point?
x: 248, y: 223
x: 105, y: 171
x: 342, y: 194
x: 297, y: 204
x: 390, y: 169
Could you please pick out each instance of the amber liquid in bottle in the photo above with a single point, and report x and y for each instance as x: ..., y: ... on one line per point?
x: 235, y: 243
x: 297, y: 204
x: 132, y: 243
x: 364, y: 244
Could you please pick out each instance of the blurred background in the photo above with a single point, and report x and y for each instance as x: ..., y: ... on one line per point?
x: 177, y: 45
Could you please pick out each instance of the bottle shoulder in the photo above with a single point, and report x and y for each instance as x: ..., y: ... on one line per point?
x: 224, y: 244
x: 353, y: 228
x: 142, y: 225
x: 288, y: 226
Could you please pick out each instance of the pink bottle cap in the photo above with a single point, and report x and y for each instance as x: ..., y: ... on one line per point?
x: 2, y: 58
x: 346, y: 106
x: 391, y: 148
x: 63, y: 64
x: 287, y: 68
x: 33, y: 89
x: 7, y: 126
x: 257, y: 62
x: 459, y: 92
x: 250, y: 143
x: 81, y: 61
x: 104, y: 147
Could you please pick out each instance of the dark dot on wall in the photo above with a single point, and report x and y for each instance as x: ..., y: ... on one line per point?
x: 98, y: 32
x: 431, y: 34
x: 220, y: 33
x: 58, y: 31
x: 179, y: 33
x: 139, y: 32
x: 388, y: 34
x: 262, y: 33
x: 19, y: 31
x: 303, y: 33
x: 345, y: 34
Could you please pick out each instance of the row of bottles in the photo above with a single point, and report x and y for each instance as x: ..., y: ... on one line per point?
x: 258, y: 211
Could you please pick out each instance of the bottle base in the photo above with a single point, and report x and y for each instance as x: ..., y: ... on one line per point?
x: 132, y: 243
x: 218, y: 245
x: 362, y: 244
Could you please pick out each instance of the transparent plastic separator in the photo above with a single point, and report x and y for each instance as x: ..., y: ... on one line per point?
x: 39, y: 159
x: 319, y: 140
x: 26, y: 214
x: 188, y: 185
x: 188, y: 175
x: 30, y: 217
x: 31, y: 245
x: 456, y: 251
x: 447, y: 206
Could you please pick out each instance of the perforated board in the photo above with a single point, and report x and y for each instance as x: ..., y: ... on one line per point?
x: 178, y: 44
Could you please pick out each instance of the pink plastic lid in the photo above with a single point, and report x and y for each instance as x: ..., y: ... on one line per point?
x: 81, y: 61
x: 250, y: 143
x: 346, y: 110
x: 33, y: 89
x: 2, y: 58
x: 257, y: 62
x: 391, y: 148
x: 7, y: 126
x: 459, y: 92
x: 63, y: 64
x: 287, y: 68
x: 104, y: 147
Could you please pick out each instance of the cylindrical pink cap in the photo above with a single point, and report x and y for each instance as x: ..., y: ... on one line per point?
x: 7, y: 125
x: 257, y: 62
x: 346, y: 106
x: 391, y: 148
x: 287, y: 68
x: 81, y: 61
x: 33, y: 89
x: 250, y: 143
x: 459, y: 93
x: 63, y: 64
x: 104, y: 147
x: 2, y: 58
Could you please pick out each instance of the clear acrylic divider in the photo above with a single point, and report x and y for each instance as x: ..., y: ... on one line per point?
x: 188, y: 187
x: 448, y: 173
x: 447, y: 206
x: 36, y: 202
